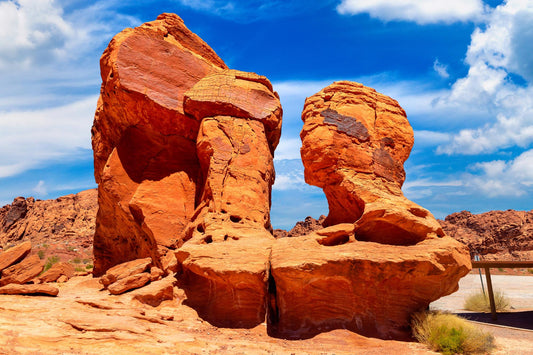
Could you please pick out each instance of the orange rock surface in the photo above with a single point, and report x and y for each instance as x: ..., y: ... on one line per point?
x: 224, y: 266
x: 144, y: 145
x: 354, y: 143
x: 329, y: 280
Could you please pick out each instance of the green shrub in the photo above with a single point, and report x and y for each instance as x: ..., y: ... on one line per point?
x: 85, y: 261
x: 479, y: 302
x: 79, y: 269
x: 76, y: 260
x: 530, y: 271
x: 40, y: 253
x: 450, y: 334
x: 50, y: 261
x: 89, y: 266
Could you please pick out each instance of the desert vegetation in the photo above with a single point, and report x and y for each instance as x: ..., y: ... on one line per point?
x: 479, y: 302
x: 450, y: 334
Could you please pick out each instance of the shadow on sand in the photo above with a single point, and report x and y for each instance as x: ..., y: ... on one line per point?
x: 522, y: 320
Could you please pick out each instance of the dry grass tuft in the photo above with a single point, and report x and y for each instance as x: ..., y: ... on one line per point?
x: 479, y: 302
x: 450, y: 334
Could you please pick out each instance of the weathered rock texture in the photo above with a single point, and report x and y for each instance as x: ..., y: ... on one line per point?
x: 381, y: 257
x: 225, y: 263
x: 354, y: 143
x: 44, y: 221
x: 495, y: 235
x: 144, y: 145
x: 329, y: 280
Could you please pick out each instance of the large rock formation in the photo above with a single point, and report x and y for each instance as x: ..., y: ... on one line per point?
x: 183, y: 153
x: 67, y: 218
x: 382, y: 256
x: 495, y: 235
x: 144, y: 145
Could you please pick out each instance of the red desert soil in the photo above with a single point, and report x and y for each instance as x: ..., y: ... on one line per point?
x: 85, y: 320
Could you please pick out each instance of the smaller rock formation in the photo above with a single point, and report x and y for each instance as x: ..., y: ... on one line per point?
x: 56, y: 272
x: 32, y: 289
x: 381, y: 257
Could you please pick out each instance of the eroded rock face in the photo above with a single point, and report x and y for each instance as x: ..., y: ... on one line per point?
x: 144, y: 145
x: 225, y: 263
x: 354, y: 143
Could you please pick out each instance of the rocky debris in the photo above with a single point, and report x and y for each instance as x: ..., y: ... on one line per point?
x: 124, y: 270
x: 329, y: 280
x: 224, y: 265
x: 70, y: 217
x: 144, y: 145
x: 354, y: 143
x: 14, y: 255
x: 495, y: 235
x: 139, y: 274
x: 156, y: 292
x: 31, y: 289
x: 23, y: 271
x: 129, y: 283
x: 59, y: 272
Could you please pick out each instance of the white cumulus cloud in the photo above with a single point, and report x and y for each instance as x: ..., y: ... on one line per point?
x: 419, y: 11
x: 495, y: 54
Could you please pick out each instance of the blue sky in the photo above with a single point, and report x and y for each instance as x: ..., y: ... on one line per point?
x: 462, y: 70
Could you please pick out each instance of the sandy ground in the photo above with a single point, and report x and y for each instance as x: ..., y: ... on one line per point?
x: 83, y: 319
x: 514, y: 329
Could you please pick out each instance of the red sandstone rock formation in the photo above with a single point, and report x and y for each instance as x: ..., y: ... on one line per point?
x: 14, y: 255
x: 495, y: 235
x: 144, y: 145
x: 382, y: 257
x: 354, y: 144
x: 225, y: 263
x: 67, y: 218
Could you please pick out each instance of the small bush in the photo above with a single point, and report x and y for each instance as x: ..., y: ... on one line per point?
x: 40, y: 253
x: 89, y: 266
x: 479, y: 302
x: 85, y: 261
x: 76, y: 260
x: 71, y: 248
x: 450, y: 334
x: 79, y: 269
x: 50, y: 261
x: 530, y: 271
